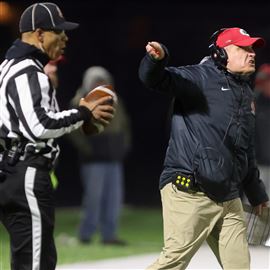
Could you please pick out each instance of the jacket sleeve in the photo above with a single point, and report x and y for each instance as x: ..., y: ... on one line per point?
x: 177, y: 82
x: 33, y: 99
x: 152, y: 72
x: 252, y: 184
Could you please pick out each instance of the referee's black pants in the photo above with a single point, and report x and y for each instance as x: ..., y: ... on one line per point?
x: 27, y: 212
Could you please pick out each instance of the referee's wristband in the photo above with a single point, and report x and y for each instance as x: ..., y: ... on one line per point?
x: 86, y: 114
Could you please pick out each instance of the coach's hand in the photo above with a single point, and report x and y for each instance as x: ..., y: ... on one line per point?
x: 155, y: 50
x: 259, y: 208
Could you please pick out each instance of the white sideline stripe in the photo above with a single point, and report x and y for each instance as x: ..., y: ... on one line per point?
x: 36, y: 217
x: 204, y: 259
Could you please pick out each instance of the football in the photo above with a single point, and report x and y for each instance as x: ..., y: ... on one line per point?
x: 101, y: 91
x: 95, y: 127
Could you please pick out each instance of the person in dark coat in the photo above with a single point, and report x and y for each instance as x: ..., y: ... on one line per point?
x: 210, y: 157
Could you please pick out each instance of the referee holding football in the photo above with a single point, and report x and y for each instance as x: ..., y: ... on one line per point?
x: 30, y: 121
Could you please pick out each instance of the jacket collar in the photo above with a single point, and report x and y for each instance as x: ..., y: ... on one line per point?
x: 21, y: 49
x: 239, y: 78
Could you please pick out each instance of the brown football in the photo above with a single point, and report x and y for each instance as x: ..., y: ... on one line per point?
x: 94, y: 127
x: 101, y: 91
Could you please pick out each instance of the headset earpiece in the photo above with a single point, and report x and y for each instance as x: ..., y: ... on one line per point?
x: 219, y: 55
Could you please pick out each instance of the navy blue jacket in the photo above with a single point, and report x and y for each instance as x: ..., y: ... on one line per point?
x: 212, y: 128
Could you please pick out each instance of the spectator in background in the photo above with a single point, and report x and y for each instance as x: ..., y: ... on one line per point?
x: 51, y: 70
x: 101, y: 167
x: 262, y: 88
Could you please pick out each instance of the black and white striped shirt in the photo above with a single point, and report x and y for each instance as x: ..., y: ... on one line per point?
x: 28, y: 105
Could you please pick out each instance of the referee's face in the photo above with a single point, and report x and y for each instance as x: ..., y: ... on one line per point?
x: 54, y: 43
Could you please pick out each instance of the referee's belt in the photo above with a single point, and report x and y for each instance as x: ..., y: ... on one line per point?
x: 19, y: 153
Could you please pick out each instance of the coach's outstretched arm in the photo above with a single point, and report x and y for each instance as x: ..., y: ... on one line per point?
x: 174, y: 81
x: 152, y: 66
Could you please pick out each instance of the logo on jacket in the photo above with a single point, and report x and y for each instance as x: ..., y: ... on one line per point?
x: 225, y: 88
x: 253, y: 107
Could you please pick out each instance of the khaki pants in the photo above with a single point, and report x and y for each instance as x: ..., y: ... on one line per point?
x: 191, y: 218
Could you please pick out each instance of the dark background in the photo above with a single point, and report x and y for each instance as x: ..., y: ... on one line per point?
x: 114, y: 34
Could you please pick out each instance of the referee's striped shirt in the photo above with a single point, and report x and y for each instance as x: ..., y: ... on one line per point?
x: 28, y: 105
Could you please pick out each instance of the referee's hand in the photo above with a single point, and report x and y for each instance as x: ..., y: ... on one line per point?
x: 101, y: 109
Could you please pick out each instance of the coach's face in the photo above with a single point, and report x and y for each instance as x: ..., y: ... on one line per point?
x: 54, y: 43
x: 241, y: 60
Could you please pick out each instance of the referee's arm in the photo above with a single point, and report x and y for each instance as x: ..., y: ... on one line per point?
x: 37, y: 108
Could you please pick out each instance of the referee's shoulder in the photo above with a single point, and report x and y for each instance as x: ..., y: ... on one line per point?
x: 25, y: 66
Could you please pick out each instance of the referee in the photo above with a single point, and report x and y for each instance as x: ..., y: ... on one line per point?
x: 30, y: 121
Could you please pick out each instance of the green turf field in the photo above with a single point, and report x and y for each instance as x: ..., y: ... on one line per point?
x: 141, y: 228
